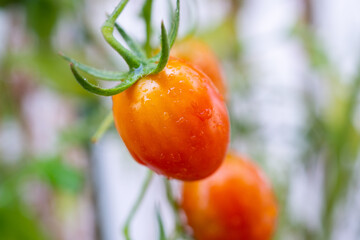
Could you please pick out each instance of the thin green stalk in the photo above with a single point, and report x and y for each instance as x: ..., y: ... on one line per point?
x: 179, y: 229
x: 135, y: 207
x: 146, y: 14
x: 174, y: 24
x: 104, y: 126
x: 107, y: 30
x: 343, y: 174
x: 162, y: 235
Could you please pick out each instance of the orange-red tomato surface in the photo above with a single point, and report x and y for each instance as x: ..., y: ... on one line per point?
x: 174, y: 122
x: 235, y: 203
x: 199, y: 54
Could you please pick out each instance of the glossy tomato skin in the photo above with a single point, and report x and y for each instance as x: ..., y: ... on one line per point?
x: 174, y: 122
x: 201, y: 56
x: 235, y: 203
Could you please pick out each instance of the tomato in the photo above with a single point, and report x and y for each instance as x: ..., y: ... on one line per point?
x: 174, y: 122
x: 234, y: 203
x: 198, y: 54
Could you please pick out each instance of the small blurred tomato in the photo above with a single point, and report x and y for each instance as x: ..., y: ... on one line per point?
x: 199, y: 54
x: 234, y: 203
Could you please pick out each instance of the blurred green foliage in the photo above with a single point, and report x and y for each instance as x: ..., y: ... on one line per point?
x: 39, y: 58
x: 60, y: 176
x: 17, y: 220
x: 42, y: 15
x: 17, y: 223
x: 332, y: 132
x: 38, y: 64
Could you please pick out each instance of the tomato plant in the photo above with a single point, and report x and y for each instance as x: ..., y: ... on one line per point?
x: 234, y: 203
x: 169, y: 114
x: 200, y: 55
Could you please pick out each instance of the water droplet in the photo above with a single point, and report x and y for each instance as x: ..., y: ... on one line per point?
x: 180, y: 120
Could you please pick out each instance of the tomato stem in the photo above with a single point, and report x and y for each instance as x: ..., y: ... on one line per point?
x: 341, y: 174
x: 174, y: 24
x: 179, y: 229
x: 104, y: 126
x: 146, y: 13
x: 162, y: 235
x: 107, y: 30
x: 135, y: 207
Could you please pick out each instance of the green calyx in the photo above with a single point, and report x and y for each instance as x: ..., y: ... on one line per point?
x: 135, y: 57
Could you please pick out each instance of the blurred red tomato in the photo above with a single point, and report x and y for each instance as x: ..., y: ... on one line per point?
x: 234, y: 203
x: 199, y: 54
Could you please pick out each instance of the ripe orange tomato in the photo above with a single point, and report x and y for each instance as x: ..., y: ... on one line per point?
x: 198, y: 54
x: 234, y: 203
x: 174, y: 122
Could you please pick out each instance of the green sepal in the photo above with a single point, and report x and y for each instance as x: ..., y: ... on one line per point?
x: 97, y: 73
x: 165, y: 50
x: 130, y: 42
x: 98, y: 90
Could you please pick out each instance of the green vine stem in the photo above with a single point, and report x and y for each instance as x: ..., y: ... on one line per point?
x: 104, y: 126
x: 146, y: 14
x: 342, y: 174
x: 162, y: 235
x: 179, y: 227
x: 135, y: 207
x: 107, y: 30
